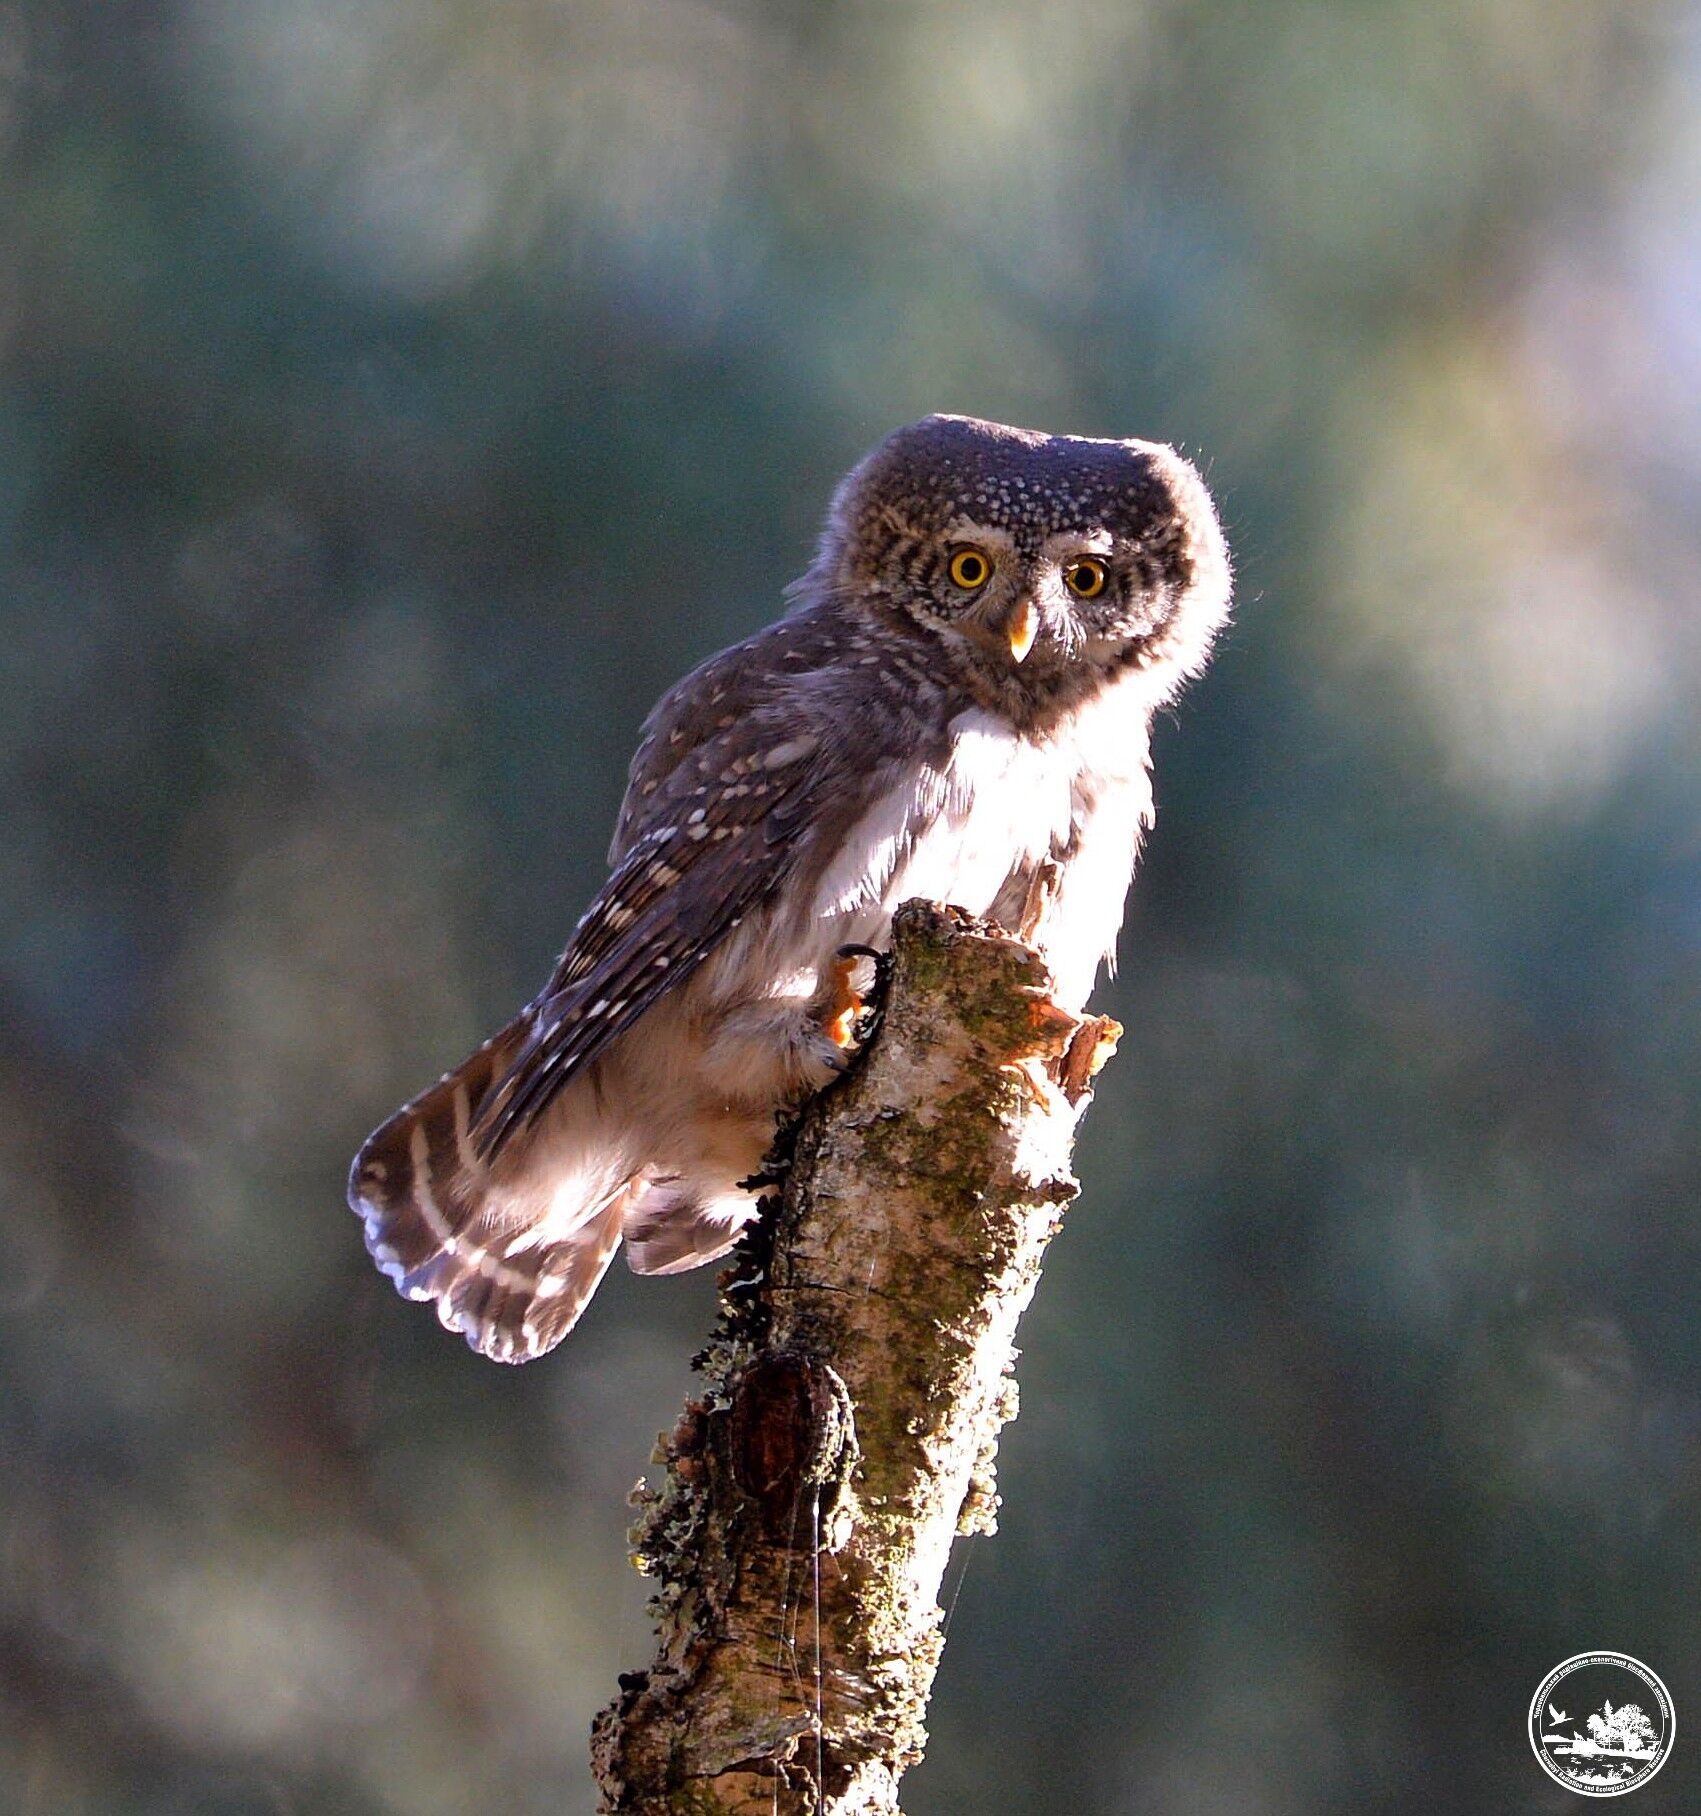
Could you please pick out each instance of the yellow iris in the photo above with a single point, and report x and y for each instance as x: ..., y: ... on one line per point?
x: 1085, y: 579
x: 970, y: 569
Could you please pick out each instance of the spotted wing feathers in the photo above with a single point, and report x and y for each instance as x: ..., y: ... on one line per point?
x: 741, y: 781
x: 724, y: 838
x: 752, y: 688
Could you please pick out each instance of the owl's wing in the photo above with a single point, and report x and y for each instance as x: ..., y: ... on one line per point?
x: 719, y: 836
x: 751, y: 677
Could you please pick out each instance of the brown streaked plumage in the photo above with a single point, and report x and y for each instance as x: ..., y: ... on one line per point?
x: 960, y: 694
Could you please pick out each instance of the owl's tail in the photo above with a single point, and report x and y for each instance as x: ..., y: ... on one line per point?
x: 510, y: 1251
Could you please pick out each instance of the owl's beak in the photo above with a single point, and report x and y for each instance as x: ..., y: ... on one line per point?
x: 1022, y: 627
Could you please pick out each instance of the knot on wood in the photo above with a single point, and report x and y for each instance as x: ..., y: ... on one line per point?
x: 792, y: 1435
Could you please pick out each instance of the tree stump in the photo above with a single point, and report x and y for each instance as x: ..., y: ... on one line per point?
x: 854, y: 1390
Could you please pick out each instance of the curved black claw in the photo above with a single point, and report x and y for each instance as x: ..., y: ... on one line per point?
x: 874, y: 1003
x: 882, y: 965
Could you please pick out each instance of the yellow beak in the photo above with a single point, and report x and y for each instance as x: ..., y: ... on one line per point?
x: 1022, y: 629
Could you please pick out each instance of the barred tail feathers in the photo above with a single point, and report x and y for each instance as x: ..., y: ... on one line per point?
x: 511, y: 1251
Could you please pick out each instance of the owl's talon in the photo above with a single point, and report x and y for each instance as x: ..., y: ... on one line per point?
x: 882, y: 963
x: 1085, y: 1056
x: 846, y: 1004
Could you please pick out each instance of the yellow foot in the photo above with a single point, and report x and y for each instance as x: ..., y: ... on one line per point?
x: 1095, y: 1040
x: 844, y: 1005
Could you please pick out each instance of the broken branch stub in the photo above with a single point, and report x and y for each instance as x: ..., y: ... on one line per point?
x: 854, y: 1391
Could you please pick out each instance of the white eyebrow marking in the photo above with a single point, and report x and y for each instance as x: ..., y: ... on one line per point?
x: 1063, y: 543
x: 965, y: 529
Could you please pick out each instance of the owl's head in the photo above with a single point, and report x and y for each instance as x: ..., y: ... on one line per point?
x: 1044, y: 565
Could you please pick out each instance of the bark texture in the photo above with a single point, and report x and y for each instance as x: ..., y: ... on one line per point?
x: 854, y: 1392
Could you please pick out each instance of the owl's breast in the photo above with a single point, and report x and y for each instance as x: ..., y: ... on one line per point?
x: 972, y: 826
x: 954, y: 830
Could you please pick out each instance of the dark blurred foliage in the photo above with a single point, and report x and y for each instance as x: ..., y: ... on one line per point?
x: 397, y: 395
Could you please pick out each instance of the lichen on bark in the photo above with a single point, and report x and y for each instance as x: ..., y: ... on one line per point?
x: 853, y: 1393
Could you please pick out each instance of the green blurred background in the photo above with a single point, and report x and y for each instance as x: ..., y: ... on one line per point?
x: 397, y: 395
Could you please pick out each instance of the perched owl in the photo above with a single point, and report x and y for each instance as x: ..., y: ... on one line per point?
x: 960, y: 695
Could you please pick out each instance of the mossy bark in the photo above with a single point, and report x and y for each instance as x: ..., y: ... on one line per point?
x: 855, y: 1388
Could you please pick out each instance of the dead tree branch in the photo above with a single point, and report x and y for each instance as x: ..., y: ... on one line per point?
x: 854, y: 1392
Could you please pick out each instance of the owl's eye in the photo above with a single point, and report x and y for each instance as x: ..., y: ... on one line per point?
x: 969, y: 569
x: 1085, y: 579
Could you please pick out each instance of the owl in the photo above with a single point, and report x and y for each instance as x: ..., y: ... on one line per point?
x: 956, y: 706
